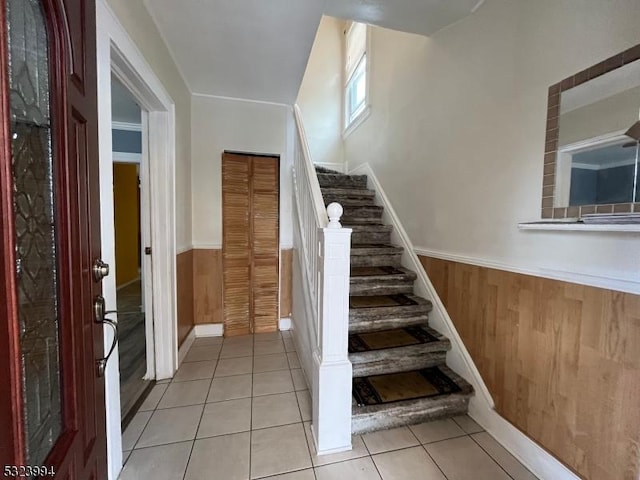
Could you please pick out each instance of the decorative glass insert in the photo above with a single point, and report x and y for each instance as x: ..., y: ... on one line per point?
x: 34, y: 207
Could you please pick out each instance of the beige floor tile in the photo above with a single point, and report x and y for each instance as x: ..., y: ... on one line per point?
x: 220, y: 457
x: 125, y: 456
x: 299, y: 380
x: 131, y: 435
x: 278, y: 450
x: 164, y: 380
x: 267, y: 383
x: 437, y: 430
x: 267, y: 348
x: 274, y: 410
x: 181, y: 394
x: 234, y: 351
x: 165, y: 462
x: 286, y: 334
x: 468, y: 424
x: 462, y: 459
x: 239, y: 340
x: 358, y: 450
x: 270, y: 363
x: 200, y: 354
x: 195, y: 371
x: 267, y: 337
x: 207, y: 341
x: 507, y: 461
x: 230, y: 388
x: 222, y: 418
x: 152, y: 400
x: 171, y: 425
x: 228, y: 367
x: 358, y: 469
x: 289, y: 345
x: 410, y: 463
x: 386, y: 440
x: 305, y: 404
x: 306, y: 474
x: 294, y: 361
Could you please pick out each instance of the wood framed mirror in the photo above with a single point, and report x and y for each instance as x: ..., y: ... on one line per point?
x: 592, y: 144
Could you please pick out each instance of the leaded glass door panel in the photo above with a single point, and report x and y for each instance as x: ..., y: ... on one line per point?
x: 52, y: 402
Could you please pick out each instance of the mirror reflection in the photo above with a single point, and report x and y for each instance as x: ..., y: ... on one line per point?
x: 598, y: 140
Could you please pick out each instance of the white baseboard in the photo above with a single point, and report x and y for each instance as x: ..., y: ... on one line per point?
x: 209, y: 330
x: 284, y: 324
x: 186, y: 345
x: 525, y: 450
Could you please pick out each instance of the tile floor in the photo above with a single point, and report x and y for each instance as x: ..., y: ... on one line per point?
x: 239, y: 408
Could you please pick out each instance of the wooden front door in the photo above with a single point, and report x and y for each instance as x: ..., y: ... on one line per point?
x: 250, y: 248
x: 52, y: 407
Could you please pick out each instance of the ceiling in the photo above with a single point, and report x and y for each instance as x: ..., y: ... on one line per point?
x: 424, y: 17
x: 258, y: 50
x: 124, y: 107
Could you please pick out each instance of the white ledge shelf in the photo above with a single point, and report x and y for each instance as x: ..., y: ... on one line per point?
x: 581, y: 227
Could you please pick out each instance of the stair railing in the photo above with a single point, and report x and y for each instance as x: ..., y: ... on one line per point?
x: 323, y: 254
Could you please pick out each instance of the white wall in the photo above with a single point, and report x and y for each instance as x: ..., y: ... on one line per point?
x: 219, y: 124
x: 140, y: 26
x: 457, y: 128
x: 320, y: 97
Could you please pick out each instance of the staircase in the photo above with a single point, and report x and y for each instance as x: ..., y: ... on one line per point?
x: 399, y: 372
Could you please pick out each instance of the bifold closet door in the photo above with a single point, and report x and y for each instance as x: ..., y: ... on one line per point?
x: 250, y: 248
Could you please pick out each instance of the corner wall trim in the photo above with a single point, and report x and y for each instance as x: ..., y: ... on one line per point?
x: 209, y: 330
x: 186, y: 345
x: 598, y: 281
x: 284, y: 324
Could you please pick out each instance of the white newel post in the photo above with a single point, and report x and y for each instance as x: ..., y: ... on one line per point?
x: 332, y: 404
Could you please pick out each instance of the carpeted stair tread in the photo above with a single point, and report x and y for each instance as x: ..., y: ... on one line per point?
x: 393, y: 338
x: 348, y: 202
x: 348, y: 192
x: 427, y: 401
x: 380, y: 307
x: 333, y: 180
x: 320, y: 169
x: 382, y: 280
x: 364, y: 323
x: 374, y: 249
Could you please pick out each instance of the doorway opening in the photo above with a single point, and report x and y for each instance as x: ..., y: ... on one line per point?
x: 134, y: 291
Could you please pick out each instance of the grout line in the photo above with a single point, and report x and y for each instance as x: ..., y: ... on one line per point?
x: 434, y: 460
x: 251, y: 406
x: 491, y: 456
x: 195, y: 436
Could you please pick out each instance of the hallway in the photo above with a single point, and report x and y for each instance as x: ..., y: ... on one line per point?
x: 239, y: 408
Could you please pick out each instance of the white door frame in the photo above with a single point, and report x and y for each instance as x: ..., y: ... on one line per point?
x: 117, y: 53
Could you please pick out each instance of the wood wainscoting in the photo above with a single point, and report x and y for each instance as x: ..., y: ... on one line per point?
x: 207, y: 286
x: 184, y: 286
x: 286, y: 270
x: 561, y: 360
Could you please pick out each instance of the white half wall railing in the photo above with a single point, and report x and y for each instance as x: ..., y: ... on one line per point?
x: 321, y: 303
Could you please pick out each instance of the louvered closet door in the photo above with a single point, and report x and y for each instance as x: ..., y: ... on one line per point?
x: 236, y: 248
x: 264, y: 202
x: 250, y: 243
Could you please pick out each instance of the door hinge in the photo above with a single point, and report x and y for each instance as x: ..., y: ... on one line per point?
x: 147, y: 250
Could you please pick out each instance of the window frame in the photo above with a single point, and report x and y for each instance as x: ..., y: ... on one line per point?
x: 352, y: 120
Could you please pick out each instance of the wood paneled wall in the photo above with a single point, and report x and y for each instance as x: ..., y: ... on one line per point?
x: 561, y: 360
x: 184, y: 286
x: 207, y: 286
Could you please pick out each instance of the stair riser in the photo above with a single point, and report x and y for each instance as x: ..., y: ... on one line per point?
x: 349, y: 202
x: 400, y: 414
x: 342, y: 181
x: 351, y: 220
x: 370, y: 237
x: 371, y: 211
x: 360, y: 325
x: 381, y: 289
x: 376, y: 260
x: 392, y: 362
x: 388, y: 312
